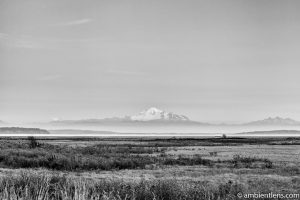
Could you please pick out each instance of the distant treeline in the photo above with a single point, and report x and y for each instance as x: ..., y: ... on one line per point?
x: 18, y: 130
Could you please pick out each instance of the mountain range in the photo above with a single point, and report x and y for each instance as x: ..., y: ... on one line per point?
x: 149, y: 116
x: 275, y: 121
x: 20, y: 130
x: 157, y: 116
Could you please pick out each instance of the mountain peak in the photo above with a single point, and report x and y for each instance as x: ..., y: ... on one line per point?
x: 155, y: 114
x: 275, y: 121
x: 153, y: 110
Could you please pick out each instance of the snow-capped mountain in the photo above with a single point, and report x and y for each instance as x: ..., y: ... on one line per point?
x: 275, y: 121
x: 154, y: 114
x: 149, y: 115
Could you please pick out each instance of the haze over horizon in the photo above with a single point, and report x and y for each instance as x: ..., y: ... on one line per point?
x: 213, y: 61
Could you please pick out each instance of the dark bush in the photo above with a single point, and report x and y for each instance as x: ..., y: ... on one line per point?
x: 195, y: 160
x: 33, y: 143
x: 249, y: 162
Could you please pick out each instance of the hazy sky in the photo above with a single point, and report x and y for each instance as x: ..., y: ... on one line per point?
x: 226, y: 60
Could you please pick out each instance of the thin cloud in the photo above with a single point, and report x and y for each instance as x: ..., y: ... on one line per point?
x: 19, y: 41
x: 3, y: 36
x: 27, y: 44
x: 74, y: 23
x: 123, y: 72
x: 30, y: 42
x: 49, y: 77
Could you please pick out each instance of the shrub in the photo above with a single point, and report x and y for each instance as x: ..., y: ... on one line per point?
x: 195, y: 160
x: 33, y: 142
x: 249, y: 162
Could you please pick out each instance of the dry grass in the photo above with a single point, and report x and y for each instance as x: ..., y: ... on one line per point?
x: 45, y: 185
x: 275, y: 153
x: 169, y: 170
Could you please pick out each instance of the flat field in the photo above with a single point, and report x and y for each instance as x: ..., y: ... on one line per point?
x: 148, y: 168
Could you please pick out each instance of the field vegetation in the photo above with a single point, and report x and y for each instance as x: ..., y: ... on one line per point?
x: 212, y: 168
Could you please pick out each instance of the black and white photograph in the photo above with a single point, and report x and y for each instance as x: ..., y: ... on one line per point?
x: 149, y: 99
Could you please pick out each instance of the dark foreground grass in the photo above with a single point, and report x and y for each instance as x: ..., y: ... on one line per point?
x: 29, y: 185
x: 95, y: 157
x: 47, y: 186
x: 104, y: 157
